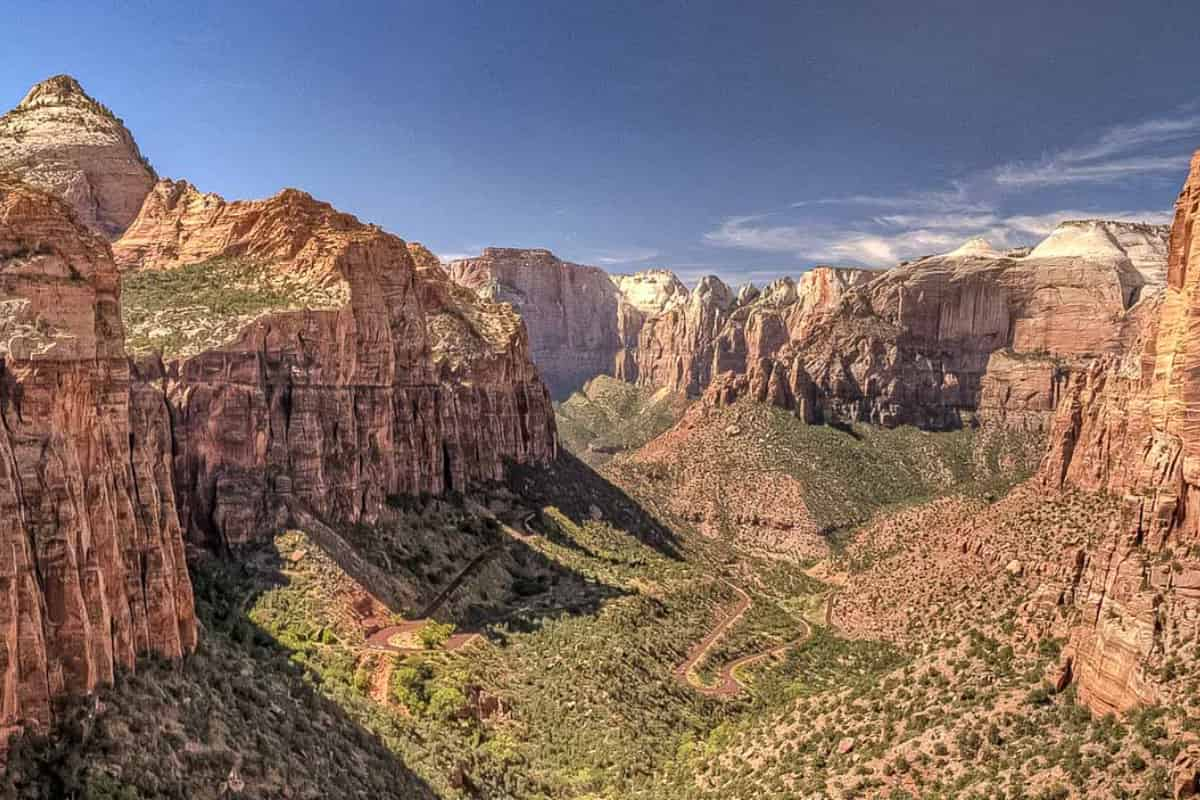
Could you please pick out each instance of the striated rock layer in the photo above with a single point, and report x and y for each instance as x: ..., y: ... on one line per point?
x: 945, y: 337
x: 1129, y: 426
x: 715, y: 332
x: 413, y: 386
x: 61, y: 140
x: 580, y: 324
x: 92, y: 568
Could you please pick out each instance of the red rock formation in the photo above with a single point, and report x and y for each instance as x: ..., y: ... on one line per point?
x: 676, y: 349
x: 92, y: 571
x: 931, y: 341
x: 1128, y: 425
x: 579, y: 324
x: 412, y: 386
x: 63, y: 141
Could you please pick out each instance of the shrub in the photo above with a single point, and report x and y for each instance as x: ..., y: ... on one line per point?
x: 435, y: 634
x: 446, y: 702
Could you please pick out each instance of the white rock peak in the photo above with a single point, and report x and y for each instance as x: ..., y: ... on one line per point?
x: 975, y: 248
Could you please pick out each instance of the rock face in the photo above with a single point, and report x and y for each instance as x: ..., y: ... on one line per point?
x: 61, y: 140
x: 412, y: 386
x: 93, y: 569
x: 1128, y: 425
x: 579, y: 323
x: 972, y: 331
x: 676, y: 349
x: 647, y: 328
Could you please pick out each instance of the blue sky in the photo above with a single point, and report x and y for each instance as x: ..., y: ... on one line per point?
x: 748, y: 139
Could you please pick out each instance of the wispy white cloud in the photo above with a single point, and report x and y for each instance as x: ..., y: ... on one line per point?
x: 886, y: 241
x: 1060, y: 172
x: 632, y: 256
x: 1153, y: 146
x: 881, y: 230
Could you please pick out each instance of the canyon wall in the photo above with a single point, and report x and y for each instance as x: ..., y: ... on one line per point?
x: 972, y: 333
x: 646, y: 327
x: 579, y: 323
x: 61, y: 140
x: 1129, y: 426
x: 93, y: 569
x: 412, y: 385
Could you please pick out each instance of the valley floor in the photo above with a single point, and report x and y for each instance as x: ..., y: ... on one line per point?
x: 809, y: 613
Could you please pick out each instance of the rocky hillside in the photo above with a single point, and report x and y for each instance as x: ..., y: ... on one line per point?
x: 324, y: 369
x: 61, y: 140
x: 94, y: 570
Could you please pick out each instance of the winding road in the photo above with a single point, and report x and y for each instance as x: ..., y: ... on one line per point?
x: 727, y: 684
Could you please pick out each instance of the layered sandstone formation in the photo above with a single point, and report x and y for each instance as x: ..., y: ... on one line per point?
x: 61, y: 140
x: 647, y: 327
x: 93, y: 569
x: 579, y: 324
x: 411, y: 386
x: 1129, y: 426
x: 932, y: 341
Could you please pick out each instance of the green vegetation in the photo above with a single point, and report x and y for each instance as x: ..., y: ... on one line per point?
x: 185, y: 310
x: 434, y: 634
x: 610, y: 416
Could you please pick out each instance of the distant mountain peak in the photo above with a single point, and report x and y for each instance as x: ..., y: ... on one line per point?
x: 60, y: 90
x: 975, y: 248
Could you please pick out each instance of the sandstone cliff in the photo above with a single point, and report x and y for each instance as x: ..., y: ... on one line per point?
x: 350, y: 373
x: 61, y: 140
x: 93, y: 570
x: 1128, y: 425
x: 932, y: 341
x: 579, y: 323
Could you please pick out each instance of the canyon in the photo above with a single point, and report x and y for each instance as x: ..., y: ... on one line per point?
x: 268, y: 424
x: 936, y: 343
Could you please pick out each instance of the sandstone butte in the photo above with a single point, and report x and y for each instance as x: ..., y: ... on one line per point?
x: 61, y: 140
x: 414, y: 385
x: 94, y: 569
x: 1129, y: 425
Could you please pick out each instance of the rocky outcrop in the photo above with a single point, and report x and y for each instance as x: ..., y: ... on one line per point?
x: 1128, y: 426
x: 652, y: 291
x: 411, y: 386
x: 931, y: 342
x: 61, y: 140
x: 92, y: 572
x: 579, y: 323
x: 676, y: 349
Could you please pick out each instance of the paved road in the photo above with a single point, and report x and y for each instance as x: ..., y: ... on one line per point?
x: 727, y: 684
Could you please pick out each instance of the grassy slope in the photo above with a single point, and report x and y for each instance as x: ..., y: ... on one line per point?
x: 182, y: 311
x: 609, y: 416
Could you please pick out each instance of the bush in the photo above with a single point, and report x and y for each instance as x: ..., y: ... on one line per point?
x: 446, y: 703
x: 435, y: 634
x: 408, y: 686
